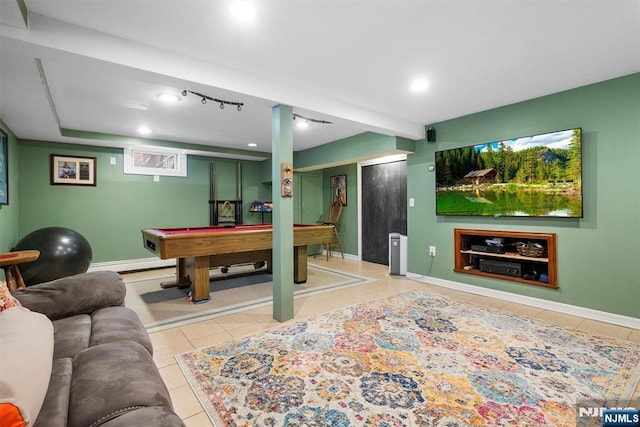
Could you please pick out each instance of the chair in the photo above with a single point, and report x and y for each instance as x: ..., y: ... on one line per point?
x: 332, y: 217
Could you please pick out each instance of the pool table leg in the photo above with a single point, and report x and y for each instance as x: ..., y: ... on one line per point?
x: 182, y: 273
x: 194, y: 272
x: 300, y: 264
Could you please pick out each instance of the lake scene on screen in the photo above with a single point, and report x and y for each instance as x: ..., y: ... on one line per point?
x: 538, y: 176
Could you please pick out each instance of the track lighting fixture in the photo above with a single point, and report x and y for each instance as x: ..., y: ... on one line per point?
x: 221, y: 101
x: 307, y: 120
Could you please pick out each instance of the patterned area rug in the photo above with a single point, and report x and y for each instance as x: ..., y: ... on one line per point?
x: 412, y: 360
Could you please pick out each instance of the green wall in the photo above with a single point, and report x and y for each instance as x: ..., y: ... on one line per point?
x: 348, y: 224
x: 364, y: 146
x: 9, y: 213
x: 346, y: 153
x: 112, y: 214
x: 597, y: 255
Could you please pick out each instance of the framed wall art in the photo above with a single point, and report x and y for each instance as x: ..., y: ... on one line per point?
x: 4, y: 168
x: 73, y: 170
x: 339, y: 189
x: 155, y: 161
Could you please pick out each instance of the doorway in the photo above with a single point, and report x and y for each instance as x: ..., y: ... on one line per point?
x: 384, y: 208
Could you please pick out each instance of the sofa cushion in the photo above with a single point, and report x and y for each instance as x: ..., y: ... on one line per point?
x: 76, y: 333
x: 6, y: 299
x: 118, y: 324
x: 25, y: 360
x: 55, y: 410
x: 72, y: 335
x: 154, y: 416
x: 112, y: 379
x: 79, y: 294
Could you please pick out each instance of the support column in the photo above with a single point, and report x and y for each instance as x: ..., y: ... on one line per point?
x: 282, y: 152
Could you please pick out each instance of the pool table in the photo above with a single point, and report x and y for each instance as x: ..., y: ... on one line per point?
x: 197, y: 249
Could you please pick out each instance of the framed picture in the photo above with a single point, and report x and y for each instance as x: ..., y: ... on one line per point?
x: 73, y: 170
x: 4, y: 168
x: 339, y: 189
x: 155, y: 161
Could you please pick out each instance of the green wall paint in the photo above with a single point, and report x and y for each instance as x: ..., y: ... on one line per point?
x: 348, y: 225
x: 112, y: 214
x: 282, y: 260
x: 265, y: 168
x: 346, y: 152
x: 597, y: 255
x: 308, y: 204
x: 9, y: 213
x: 364, y: 146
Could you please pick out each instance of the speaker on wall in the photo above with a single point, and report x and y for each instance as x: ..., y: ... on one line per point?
x: 431, y: 134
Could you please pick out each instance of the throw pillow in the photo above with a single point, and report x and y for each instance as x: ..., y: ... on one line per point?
x: 6, y: 299
x: 24, y: 382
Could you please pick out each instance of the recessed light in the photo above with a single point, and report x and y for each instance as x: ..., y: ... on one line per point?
x: 169, y: 98
x: 419, y: 84
x: 242, y: 10
x: 144, y: 130
x: 252, y: 144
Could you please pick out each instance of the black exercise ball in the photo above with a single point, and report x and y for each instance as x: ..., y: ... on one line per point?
x: 63, y: 252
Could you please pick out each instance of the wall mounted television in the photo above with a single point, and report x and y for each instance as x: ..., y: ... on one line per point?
x: 533, y: 176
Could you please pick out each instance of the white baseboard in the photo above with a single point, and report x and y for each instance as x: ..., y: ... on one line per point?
x: 338, y: 255
x: 602, y: 316
x: 132, y: 264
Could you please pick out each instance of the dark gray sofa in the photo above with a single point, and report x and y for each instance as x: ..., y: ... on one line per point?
x: 103, y: 373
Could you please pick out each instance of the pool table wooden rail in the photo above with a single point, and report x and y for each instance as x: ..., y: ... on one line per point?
x: 197, y: 251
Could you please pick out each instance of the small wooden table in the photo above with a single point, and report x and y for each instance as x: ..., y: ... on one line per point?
x: 9, y: 262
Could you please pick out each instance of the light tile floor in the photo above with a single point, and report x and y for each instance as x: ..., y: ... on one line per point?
x: 170, y: 342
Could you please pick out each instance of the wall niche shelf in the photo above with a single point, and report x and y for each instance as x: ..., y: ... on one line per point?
x: 494, y: 253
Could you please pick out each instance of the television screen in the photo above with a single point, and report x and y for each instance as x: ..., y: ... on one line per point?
x: 533, y: 176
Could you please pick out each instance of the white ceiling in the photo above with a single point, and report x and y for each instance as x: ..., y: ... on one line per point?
x: 346, y: 61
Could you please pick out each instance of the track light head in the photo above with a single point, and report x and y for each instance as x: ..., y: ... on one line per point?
x: 184, y: 93
x: 222, y: 105
x: 204, y: 100
x: 239, y: 107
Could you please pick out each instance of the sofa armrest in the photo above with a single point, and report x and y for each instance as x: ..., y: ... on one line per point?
x: 79, y: 294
